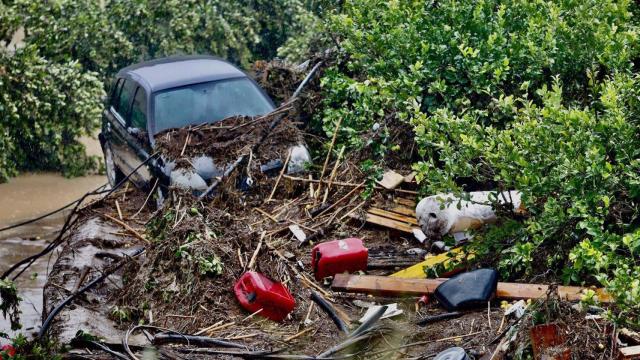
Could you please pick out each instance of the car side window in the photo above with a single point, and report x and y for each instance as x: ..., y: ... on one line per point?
x: 115, y: 94
x: 139, y: 110
x: 126, y: 97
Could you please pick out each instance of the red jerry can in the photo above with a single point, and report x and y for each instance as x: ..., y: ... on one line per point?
x: 338, y: 256
x: 256, y: 291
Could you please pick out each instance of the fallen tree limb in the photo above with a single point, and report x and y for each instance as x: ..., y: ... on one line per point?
x: 382, y: 285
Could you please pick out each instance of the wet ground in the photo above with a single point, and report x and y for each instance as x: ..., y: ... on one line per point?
x: 24, y: 197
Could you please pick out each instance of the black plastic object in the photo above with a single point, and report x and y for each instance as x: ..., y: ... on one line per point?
x: 454, y: 353
x: 467, y: 290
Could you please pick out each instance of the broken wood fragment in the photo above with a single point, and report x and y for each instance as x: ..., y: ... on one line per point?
x: 298, y: 233
x: 629, y: 353
x: 390, y: 180
x: 383, y: 285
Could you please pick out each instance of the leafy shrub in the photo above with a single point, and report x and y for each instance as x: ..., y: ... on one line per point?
x: 44, y: 108
x: 538, y: 96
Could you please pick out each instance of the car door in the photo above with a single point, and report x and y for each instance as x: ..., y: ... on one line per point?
x: 115, y: 127
x: 126, y: 148
x: 137, y: 136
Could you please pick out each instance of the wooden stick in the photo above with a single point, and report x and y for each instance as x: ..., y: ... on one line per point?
x: 341, y: 199
x: 353, y: 210
x: 240, y: 258
x: 211, y: 331
x: 252, y: 262
x: 266, y: 214
x: 252, y: 315
x: 383, y: 285
x: 326, y: 160
x: 333, y: 175
x: 298, y: 334
x: 127, y: 227
x: 202, y: 331
x: 242, y: 336
x: 119, y: 211
x: 459, y: 336
x: 186, y: 141
x: 284, y: 168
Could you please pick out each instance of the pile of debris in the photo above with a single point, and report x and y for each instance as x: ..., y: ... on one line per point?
x: 322, y: 265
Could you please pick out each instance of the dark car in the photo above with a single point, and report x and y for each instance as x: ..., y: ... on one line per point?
x: 157, y: 95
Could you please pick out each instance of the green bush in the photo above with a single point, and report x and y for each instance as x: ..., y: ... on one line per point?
x: 44, y: 108
x: 538, y: 96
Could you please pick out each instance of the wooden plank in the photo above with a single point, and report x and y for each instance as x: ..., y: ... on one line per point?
x: 386, y: 222
x: 630, y: 353
x: 404, y: 211
x: 417, y: 271
x: 393, y: 216
x: 406, y: 202
x: 384, y: 285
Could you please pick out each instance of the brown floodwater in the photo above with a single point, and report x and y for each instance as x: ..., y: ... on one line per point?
x: 25, y: 197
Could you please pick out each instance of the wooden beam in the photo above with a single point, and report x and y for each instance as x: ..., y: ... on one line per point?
x: 382, y: 285
x: 629, y: 353
x: 386, y: 222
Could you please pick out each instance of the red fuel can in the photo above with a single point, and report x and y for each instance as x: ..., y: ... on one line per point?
x: 256, y: 291
x: 338, y: 256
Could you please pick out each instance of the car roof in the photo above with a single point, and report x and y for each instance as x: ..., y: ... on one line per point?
x: 171, y: 72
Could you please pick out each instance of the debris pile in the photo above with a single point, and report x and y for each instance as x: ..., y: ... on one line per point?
x: 259, y: 271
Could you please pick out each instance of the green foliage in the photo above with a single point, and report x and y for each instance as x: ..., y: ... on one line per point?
x: 538, y: 96
x: 44, y: 108
x: 10, y: 302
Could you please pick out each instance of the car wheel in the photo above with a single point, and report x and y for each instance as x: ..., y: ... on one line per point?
x: 114, y: 175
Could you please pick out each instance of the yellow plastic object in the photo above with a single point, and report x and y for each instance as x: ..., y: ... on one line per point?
x: 417, y: 271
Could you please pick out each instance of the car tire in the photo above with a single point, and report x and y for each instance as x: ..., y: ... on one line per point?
x: 114, y: 174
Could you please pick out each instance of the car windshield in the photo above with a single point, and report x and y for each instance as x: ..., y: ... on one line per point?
x: 208, y: 103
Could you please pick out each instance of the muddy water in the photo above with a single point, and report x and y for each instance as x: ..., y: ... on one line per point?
x: 24, y: 197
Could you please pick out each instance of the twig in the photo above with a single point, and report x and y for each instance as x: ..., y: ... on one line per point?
x: 326, y: 160
x: 333, y: 175
x: 266, y: 214
x: 186, y: 141
x: 147, y: 199
x: 208, y: 328
x: 459, y: 336
x: 284, y: 168
x: 119, y: 211
x: 341, y: 199
x: 252, y: 315
x: 255, y: 253
x: 240, y: 258
x: 127, y: 227
x: 221, y: 327
x: 298, y: 334
x: 353, y: 210
x: 340, y: 183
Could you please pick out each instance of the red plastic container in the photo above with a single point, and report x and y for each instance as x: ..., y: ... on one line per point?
x: 256, y: 291
x: 338, y: 256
